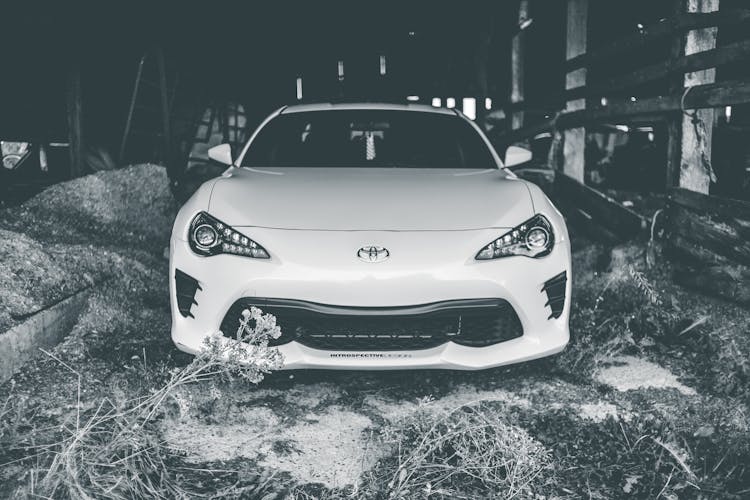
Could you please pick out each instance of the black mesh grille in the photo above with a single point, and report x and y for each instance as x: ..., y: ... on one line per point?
x: 466, y: 322
x: 555, y: 290
x: 185, y: 288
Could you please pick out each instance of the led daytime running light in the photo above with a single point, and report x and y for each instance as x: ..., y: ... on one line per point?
x: 533, y: 238
x: 227, y: 239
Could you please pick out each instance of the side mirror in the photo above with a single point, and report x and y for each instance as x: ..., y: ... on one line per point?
x: 221, y: 153
x: 514, y: 155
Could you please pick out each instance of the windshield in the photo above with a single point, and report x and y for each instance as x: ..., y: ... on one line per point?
x: 368, y: 138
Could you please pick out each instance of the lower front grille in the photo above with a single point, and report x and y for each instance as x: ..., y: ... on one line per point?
x: 474, y: 322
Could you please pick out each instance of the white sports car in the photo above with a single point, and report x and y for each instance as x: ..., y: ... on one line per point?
x: 382, y: 236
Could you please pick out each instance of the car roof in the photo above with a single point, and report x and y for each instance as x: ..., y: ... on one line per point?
x: 330, y: 106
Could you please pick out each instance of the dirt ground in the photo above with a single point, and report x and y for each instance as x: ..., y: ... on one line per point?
x: 650, y: 399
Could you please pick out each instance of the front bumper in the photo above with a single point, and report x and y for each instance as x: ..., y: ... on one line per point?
x: 223, y: 279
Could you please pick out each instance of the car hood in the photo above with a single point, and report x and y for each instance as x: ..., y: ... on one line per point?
x: 387, y: 199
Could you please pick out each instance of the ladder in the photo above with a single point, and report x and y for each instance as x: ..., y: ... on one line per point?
x: 169, y: 113
x: 150, y: 99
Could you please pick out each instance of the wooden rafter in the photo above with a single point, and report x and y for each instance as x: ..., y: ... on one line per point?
x: 668, y: 27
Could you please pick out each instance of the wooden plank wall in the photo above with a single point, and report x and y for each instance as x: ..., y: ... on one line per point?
x: 686, y: 107
x: 709, y: 239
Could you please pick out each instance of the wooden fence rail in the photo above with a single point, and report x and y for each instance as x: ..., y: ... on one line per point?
x: 665, y: 28
x: 722, y: 238
x: 652, y: 108
x: 704, y: 96
x: 711, y: 238
x: 713, y: 58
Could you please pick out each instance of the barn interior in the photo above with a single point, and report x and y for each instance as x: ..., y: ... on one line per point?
x: 140, y: 82
x: 637, y: 115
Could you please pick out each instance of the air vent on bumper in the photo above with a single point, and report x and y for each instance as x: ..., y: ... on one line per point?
x: 185, y: 288
x: 555, y: 290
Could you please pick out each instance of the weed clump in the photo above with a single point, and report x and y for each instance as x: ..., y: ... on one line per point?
x: 116, y: 451
x: 468, y: 452
x: 622, y: 312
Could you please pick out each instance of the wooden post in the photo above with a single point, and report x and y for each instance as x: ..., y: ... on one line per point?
x: 485, y: 31
x: 697, y: 132
x: 517, y: 65
x: 75, y: 121
x: 574, y: 144
x: 480, y: 88
x: 164, y: 94
x: 676, y: 85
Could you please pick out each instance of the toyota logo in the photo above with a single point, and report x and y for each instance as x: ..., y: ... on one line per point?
x: 373, y: 253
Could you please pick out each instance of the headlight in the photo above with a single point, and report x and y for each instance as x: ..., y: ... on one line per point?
x: 533, y: 238
x: 210, y: 236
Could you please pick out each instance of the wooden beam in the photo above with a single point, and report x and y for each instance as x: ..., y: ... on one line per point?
x: 710, y: 236
x: 574, y: 140
x: 674, y: 149
x: 485, y: 31
x: 518, y: 49
x: 675, y: 85
x: 725, y: 238
x: 696, y: 172
x: 603, y: 209
x: 676, y: 25
x: 727, y: 93
x: 701, y: 96
x: 164, y: 97
x: 730, y: 282
x: 699, y: 60
x: 45, y: 328
x: 583, y: 221
x: 693, y: 254
x: 706, y: 204
x: 75, y: 121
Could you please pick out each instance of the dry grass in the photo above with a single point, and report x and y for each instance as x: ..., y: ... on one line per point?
x: 462, y: 453
x: 116, y: 452
x: 5, y: 411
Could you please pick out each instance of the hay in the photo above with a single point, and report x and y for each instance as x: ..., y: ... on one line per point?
x: 46, y: 250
